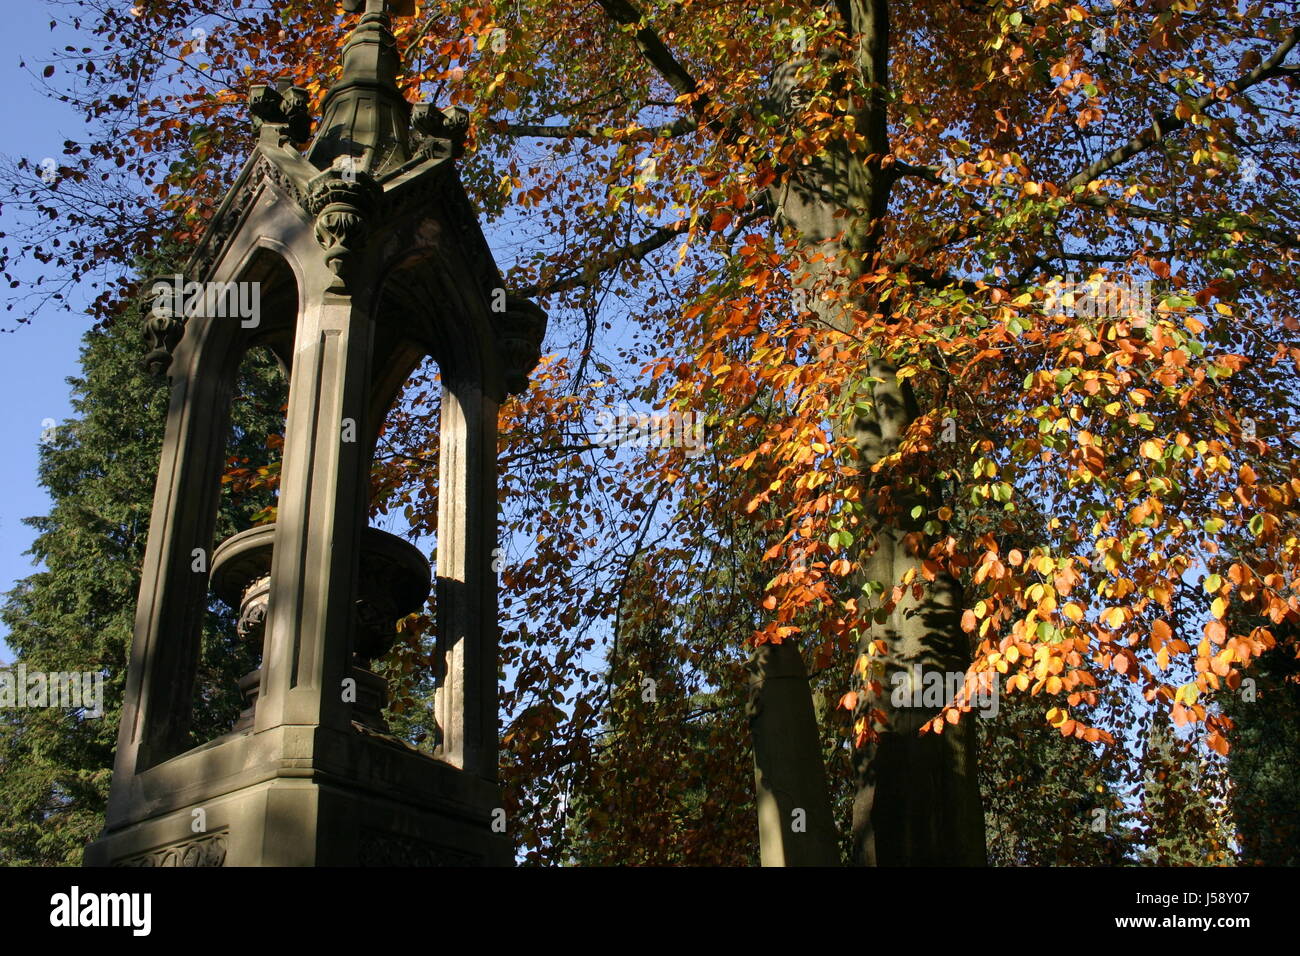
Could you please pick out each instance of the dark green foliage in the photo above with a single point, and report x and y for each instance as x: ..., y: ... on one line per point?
x: 76, y: 613
x: 1182, y: 817
x: 1048, y: 800
x: 1264, y: 762
x: 669, y: 781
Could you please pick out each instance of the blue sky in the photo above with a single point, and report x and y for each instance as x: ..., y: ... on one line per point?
x: 35, y: 359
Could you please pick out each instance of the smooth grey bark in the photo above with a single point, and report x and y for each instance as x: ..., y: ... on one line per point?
x: 917, y: 800
x: 795, y: 822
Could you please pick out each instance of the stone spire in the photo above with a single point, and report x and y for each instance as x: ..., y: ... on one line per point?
x: 364, y: 116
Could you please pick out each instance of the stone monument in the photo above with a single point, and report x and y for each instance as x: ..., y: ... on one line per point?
x: 367, y: 258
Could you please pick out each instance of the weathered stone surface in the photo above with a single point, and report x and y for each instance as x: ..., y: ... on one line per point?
x: 368, y: 257
x: 209, y: 850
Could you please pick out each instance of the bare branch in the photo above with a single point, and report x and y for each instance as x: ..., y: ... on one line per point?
x: 687, y: 124
x: 1218, y: 221
x: 1162, y: 127
x: 588, y: 273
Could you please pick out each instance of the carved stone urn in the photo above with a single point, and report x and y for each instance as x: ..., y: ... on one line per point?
x: 394, y: 581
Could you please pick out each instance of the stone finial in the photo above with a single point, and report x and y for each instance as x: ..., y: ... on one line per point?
x: 284, y: 109
x: 364, y: 114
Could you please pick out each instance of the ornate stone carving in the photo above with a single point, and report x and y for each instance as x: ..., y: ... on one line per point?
x: 425, y: 224
x: 440, y: 132
x: 164, y: 325
x: 521, y: 329
x: 233, y: 211
x: 252, y: 609
x: 284, y: 108
x: 251, y: 627
x: 387, y: 849
x: 394, y: 581
x: 206, y: 850
x: 341, y: 201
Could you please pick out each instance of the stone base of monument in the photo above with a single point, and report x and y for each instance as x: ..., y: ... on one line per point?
x: 309, y: 795
x: 293, y: 796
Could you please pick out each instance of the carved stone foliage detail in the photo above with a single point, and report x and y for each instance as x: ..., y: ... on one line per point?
x: 252, y: 610
x: 387, y: 849
x: 285, y: 108
x: 206, y: 850
x: 341, y: 202
x: 520, y: 330
x: 232, y: 212
x: 440, y: 132
x: 163, y: 328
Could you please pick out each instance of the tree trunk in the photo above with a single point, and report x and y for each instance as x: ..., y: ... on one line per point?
x: 796, y: 826
x: 917, y: 800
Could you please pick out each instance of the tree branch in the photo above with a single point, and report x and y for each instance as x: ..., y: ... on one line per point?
x: 652, y: 48
x: 660, y: 57
x: 687, y: 124
x: 613, y: 257
x: 1278, y: 237
x: 1162, y: 127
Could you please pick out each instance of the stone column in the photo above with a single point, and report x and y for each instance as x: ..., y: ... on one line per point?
x: 467, y: 586
x: 174, y: 579
x: 324, y: 490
